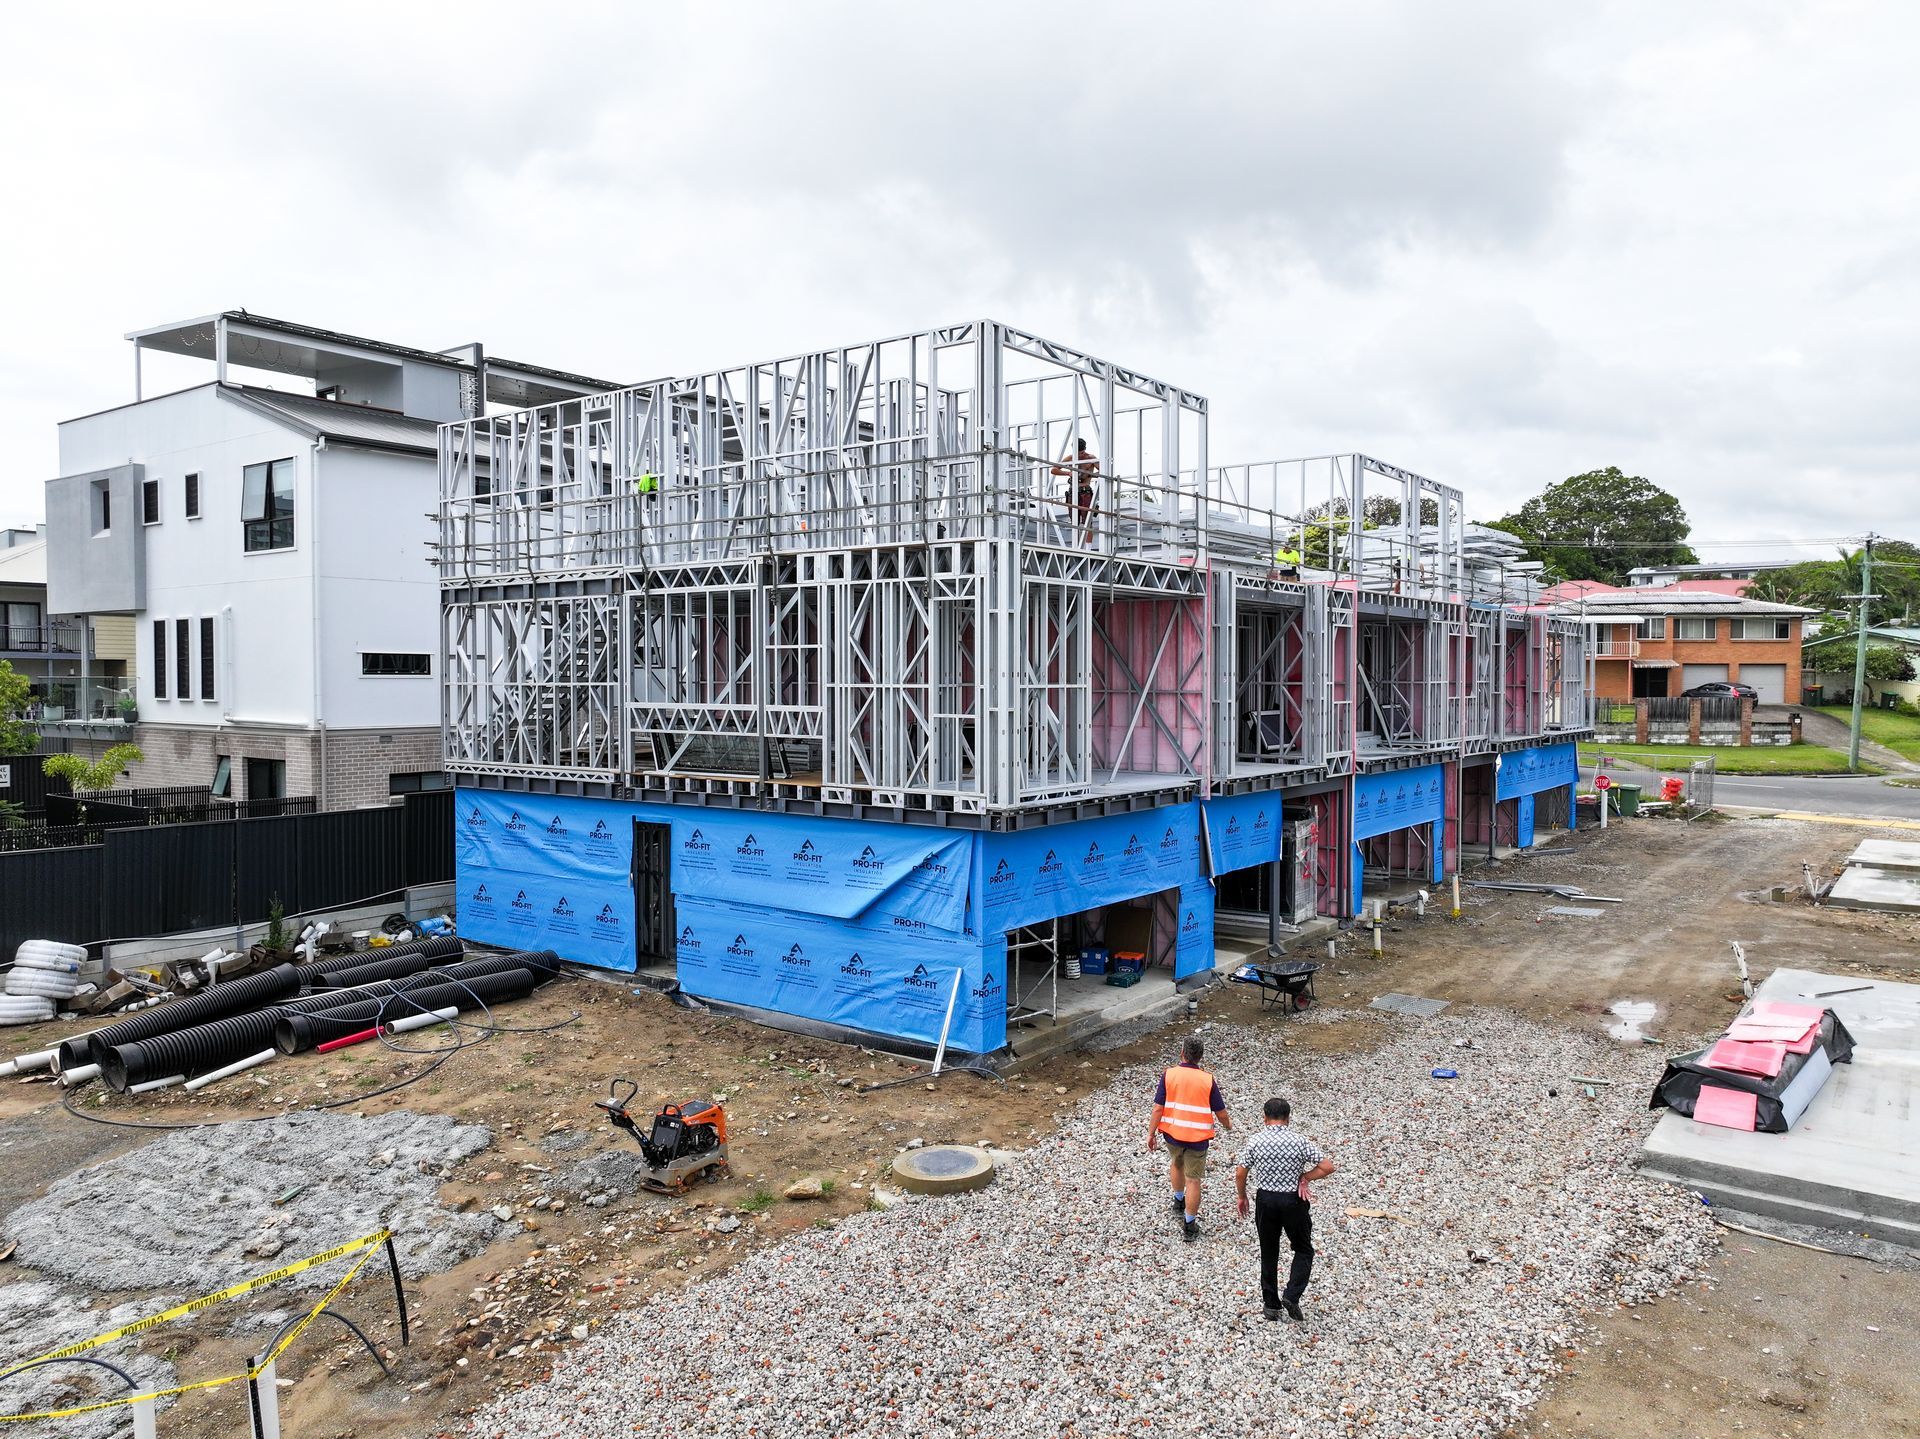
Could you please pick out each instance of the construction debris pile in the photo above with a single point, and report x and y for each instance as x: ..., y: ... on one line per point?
x: 1473, y: 1221
x: 1763, y: 1073
x: 232, y: 1025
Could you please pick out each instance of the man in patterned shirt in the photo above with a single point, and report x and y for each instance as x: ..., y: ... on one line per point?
x: 1282, y: 1165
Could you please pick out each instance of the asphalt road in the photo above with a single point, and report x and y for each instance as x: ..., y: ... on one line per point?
x: 1863, y: 795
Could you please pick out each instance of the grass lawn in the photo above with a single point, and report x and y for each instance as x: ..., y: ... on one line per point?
x: 1899, y: 733
x: 1731, y: 759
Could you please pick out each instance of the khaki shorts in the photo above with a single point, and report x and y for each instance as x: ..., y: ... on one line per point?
x: 1191, y: 1162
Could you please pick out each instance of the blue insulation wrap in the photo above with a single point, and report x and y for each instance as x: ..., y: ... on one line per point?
x: 1528, y: 771
x: 1056, y: 869
x: 546, y: 872
x: 1243, y: 830
x: 1398, y: 799
x: 842, y: 869
x: 1193, y: 939
x: 822, y: 968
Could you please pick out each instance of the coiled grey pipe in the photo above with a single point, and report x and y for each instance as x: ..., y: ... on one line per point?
x: 236, y: 996
x: 296, y: 1033
x: 445, y: 946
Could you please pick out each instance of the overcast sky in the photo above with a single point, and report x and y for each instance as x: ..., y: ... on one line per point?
x: 1488, y: 242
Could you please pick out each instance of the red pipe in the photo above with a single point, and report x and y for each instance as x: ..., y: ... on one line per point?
x: 344, y: 1040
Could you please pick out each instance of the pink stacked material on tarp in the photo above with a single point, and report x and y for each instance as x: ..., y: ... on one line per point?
x: 1763, y: 1074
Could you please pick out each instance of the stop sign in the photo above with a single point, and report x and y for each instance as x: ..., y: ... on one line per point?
x: 1600, y: 781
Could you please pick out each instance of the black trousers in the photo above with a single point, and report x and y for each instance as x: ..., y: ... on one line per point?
x: 1275, y: 1214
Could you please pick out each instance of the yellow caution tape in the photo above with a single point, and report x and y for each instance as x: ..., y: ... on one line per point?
x: 363, y: 1247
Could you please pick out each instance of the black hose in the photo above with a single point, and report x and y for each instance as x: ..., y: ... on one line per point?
x: 443, y: 946
x: 296, y: 1033
x: 236, y: 996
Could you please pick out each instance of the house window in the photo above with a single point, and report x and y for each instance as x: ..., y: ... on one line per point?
x: 206, y: 659
x: 191, y: 498
x: 418, y: 783
x: 20, y: 627
x: 1655, y: 628
x: 150, y: 502
x: 1693, y: 629
x: 266, y: 506
x: 102, y: 506
x: 266, y: 779
x: 159, y: 659
x: 222, y: 784
x: 1762, y: 629
x: 183, y: 658
x: 396, y: 664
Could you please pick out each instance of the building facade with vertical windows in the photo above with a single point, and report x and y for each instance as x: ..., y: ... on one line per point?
x: 265, y: 537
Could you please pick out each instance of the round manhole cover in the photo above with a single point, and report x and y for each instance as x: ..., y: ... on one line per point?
x: 943, y: 1169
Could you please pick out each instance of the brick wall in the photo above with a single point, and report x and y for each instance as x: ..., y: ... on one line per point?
x: 358, y: 762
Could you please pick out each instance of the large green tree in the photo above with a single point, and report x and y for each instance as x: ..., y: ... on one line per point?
x: 1599, y: 525
x: 16, y: 735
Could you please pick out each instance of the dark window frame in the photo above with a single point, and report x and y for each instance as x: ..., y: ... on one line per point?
x: 272, y: 528
x: 159, y: 659
x: 190, y: 494
x: 222, y: 785
x: 394, y: 664
x: 149, y: 502
x: 416, y: 782
x: 208, y: 690
x: 183, y: 659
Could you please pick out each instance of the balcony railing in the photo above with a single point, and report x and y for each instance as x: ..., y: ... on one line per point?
x: 84, y: 699
x: 39, y: 639
x: 1615, y: 649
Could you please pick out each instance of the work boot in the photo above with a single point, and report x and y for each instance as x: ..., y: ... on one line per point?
x: 1292, y: 1306
x: 1192, y: 1230
x: 1272, y: 1312
x: 1180, y: 1206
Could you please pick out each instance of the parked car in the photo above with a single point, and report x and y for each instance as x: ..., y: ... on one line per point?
x: 1720, y: 690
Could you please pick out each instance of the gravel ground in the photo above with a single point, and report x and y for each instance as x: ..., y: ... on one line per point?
x: 196, y: 1207
x: 36, y: 1317
x: 1062, y: 1301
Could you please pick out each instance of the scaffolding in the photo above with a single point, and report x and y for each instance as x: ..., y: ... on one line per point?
x: 957, y: 575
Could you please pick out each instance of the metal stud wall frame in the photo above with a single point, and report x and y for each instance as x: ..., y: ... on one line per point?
x: 888, y: 576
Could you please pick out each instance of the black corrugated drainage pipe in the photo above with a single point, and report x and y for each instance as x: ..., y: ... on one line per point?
x: 541, y: 959
x: 296, y: 1033
x: 236, y: 996
x: 250, y: 1033
x: 444, y: 946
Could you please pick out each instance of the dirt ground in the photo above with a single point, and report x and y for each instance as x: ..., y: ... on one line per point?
x: 1707, y: 1361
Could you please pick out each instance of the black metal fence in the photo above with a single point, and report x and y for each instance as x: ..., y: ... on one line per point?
x: 154, y: 879
x: 28, y: 785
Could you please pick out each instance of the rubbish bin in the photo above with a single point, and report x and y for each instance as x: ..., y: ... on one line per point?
x: 1810, y: 694
x: 1627, y: 798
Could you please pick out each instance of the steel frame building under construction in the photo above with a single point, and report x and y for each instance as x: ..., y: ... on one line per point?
x: 851, y: 688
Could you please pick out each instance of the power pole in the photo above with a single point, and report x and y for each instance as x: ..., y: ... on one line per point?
x: 1860, y: 653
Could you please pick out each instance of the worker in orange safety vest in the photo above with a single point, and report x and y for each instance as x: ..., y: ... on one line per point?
x: 1186, y: 1107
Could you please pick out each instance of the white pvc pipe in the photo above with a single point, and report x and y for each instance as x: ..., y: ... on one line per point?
x: 940, y: 1054
x: 153, y: 1084
x: 423, y: 1021
x: 79, y: 1075
x: 235, y: 1068
x: 27, y: 1063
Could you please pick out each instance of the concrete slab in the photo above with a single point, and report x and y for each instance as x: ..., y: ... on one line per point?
x: 1411, y: 1004
x: 1853, y: 1160
x: 1893, y: 854
x: 1879, y: 889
